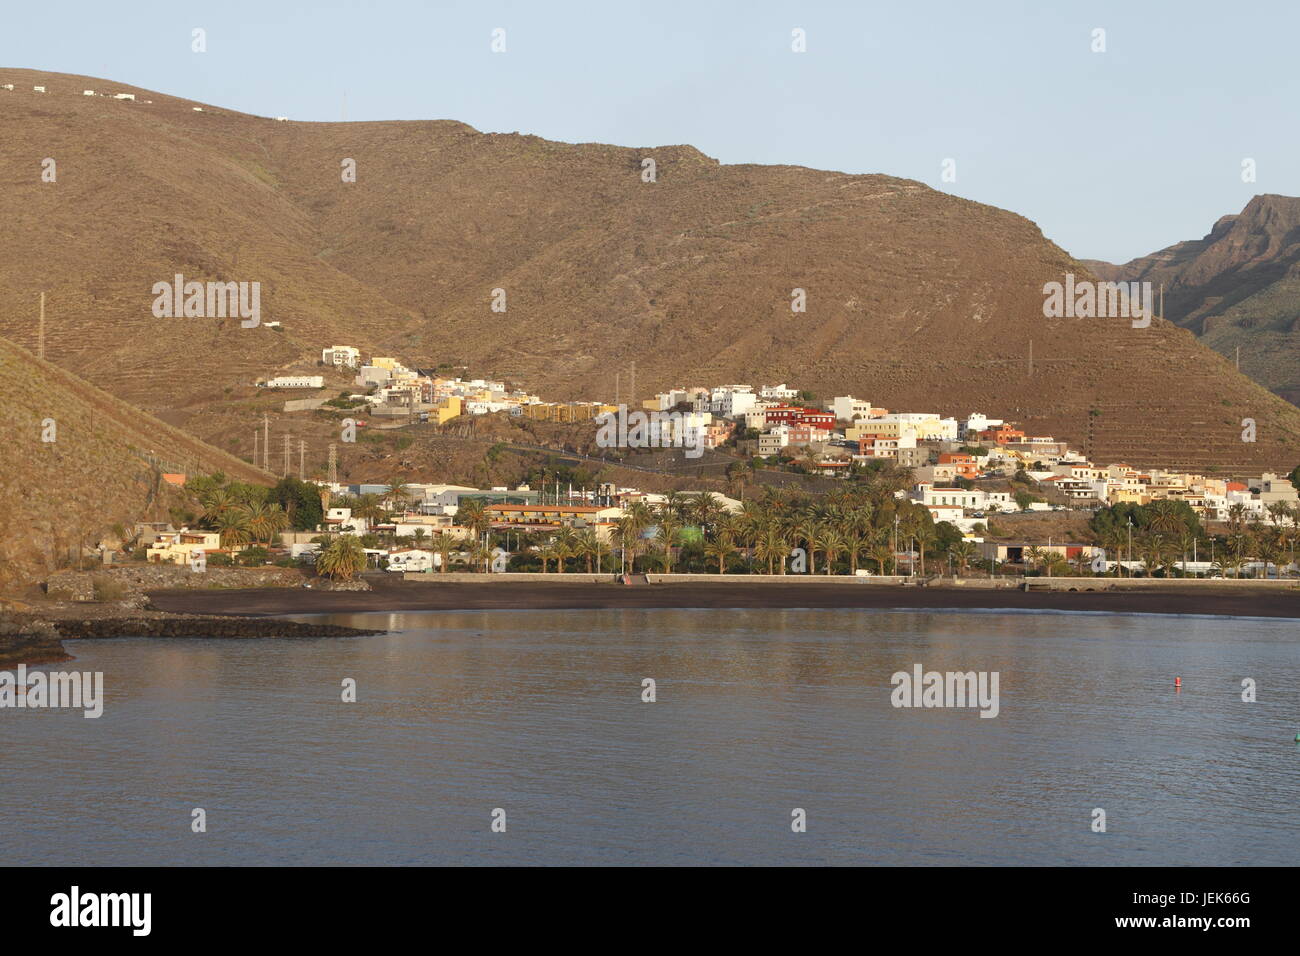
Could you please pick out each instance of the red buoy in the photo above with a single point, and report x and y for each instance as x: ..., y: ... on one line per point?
x: 1178, y: 682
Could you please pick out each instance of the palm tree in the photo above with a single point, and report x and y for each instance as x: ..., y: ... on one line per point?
x: 234, y: 527
x: 965, y: 552
x: 674, y: 504
x: 855, y: 542
x: 444, y: 545
x: 1112, y: 540
x: 370, y: 508
x: 669, y: 529
x: 565, y: 546
x: 771, y: 545
x: 216, y: 503
x: 265, y: 521
x: 472, y: 514
x: 585, y: 546
x: 1057, y: 565
x: 720, y: 548
x: 1166, y: 517
x: 398, y: 494
x: 832, y: 545
x: 925, y: 536
x: 342, y: 559
x: 809, y: 531
x: 882, y: 553
x: 547, y: 552
x: 706, y: 510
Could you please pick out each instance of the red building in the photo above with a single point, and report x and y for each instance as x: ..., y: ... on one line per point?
x: 793, y: 415
x: 1002, y: 434
x: 964, y: 466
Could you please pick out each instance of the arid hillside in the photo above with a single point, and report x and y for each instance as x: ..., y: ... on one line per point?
x: 103, y: 466
x: 1238, y: 287
x: 915, y: 299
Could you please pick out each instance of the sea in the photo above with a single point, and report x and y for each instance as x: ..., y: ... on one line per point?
x: 674, y: 737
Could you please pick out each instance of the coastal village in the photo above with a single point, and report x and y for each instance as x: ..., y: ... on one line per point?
x: 946, y: 479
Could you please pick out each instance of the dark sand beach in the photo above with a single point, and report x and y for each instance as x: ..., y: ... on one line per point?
x: 391, y: 595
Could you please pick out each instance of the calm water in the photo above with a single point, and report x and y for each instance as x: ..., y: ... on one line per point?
x: 758, y: 712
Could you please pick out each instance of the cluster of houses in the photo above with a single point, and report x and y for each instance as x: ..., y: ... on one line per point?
x: 402, y: 540
x: 429, y: 511
x: 947, y: 455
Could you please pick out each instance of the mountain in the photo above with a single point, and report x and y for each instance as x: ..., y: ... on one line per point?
x: 915, y: 299
x: 103, y: 467
x: 1238, y: 287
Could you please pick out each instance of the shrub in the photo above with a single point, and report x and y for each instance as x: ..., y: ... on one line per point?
x: 106, y: 588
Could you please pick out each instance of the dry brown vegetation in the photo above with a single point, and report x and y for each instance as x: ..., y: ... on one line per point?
x: 104, y: 468
x: 916, y: 298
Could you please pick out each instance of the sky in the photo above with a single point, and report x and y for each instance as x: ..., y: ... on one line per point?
x: 1114, y: 153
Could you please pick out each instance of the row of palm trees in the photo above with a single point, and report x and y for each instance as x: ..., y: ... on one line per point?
x: 242, y: 516
x: 776, y: 531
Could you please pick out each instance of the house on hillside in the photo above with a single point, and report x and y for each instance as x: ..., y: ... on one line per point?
x: 178, y: 547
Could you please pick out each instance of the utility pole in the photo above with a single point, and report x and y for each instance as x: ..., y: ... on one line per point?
x: 287, y: 440
x: 40, y: 331
x: 1130, y: 545
x: 302, y: 458
x: 631, y: 388
x: 254, y: 447
x: 334, y: 464
x: 266, y: 443
x: 895, y: 544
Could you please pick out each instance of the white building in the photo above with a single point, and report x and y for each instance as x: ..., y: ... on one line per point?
x: 124, y: 96
x: 87, y: 92
x: 975, y: 499
x: 38, y: 89
x: 413, y: 559
x: 341, y: 520
x: 731, y: 400
x: 977, y: 422
x: 294, y: 381
x: 780, y: 392
x: 341, y: 356
x: 847, y: 408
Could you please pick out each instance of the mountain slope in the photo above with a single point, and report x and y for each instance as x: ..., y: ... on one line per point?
x: 103, y: 467
x: 915, y: 298
x: 1238, y: 287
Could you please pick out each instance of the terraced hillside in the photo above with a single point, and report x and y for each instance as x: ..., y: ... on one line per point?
x: 1236, y: 288
x: 915, y: 298
x: 104, y: 466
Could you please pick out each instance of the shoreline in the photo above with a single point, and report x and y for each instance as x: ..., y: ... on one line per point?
x: 397, y: 596
x: 43, y: 644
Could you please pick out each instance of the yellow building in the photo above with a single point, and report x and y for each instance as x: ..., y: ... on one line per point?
x: 447, y: 409
x: 176, y: 547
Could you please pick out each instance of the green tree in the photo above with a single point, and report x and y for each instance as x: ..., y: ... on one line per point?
x: 342, y: 559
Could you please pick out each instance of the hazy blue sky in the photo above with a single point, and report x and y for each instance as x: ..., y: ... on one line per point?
x: 1113, y: 154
